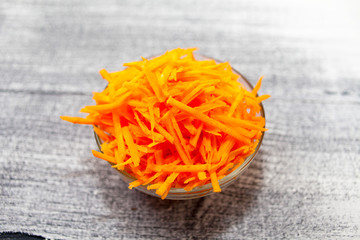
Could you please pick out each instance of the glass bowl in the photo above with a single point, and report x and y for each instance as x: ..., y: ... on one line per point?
x: 207, y: 189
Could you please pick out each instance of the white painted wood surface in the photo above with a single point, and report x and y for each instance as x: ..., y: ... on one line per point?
x: 304, y: 184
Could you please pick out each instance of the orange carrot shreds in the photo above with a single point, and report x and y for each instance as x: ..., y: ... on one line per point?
x: 141, y: 124
x: 169, y: 180
x: 105, y: 148
x: 101, y: 134
x: 79, y: 120
x: 193, y: 94
x: 154, y: 83
x: 180, y: 149
x: 101, y: 98
x: 190, y: 127
x: 262, y: 98
x: 171, y: 101
x: 165, y: 74
x: 253, y: 104
x: 216, y: 133
x: 225, y: 169
x: 118, y: 160
x: 157, y: 62
x: 166, y: 192
x: 160, y: 129
x: 175, y: 122
x: 194, y: 140
x: 238, y: 122
x: 210, y: 106
x: 156, y: 112
x: 154, y: 186
x: 119, y: 137
x: 150, y: 179
x: 257, y: 86
x: 215, y: 182
x: 136, y: 171
x: 189, y: 180
x: 179, y: 135
x: 131, y: 146
x: 121, y: 165
x: 159, y: 159
x: 105, y: 75
x: 104, y: 157
x: 138, y: 64
x: 135, y: 183
x: 222, y: 156
x: 194, y: 184
x: 181, y: 168
x: 104, y: 108
x: 201, y: 175
x: 234, y: 105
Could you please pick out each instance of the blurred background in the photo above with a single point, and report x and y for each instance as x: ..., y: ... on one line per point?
x: 303, y: 184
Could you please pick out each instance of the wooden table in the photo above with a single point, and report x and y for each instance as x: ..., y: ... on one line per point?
x: 304, y: 183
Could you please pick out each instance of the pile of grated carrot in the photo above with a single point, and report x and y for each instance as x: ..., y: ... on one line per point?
x: 175, y: 122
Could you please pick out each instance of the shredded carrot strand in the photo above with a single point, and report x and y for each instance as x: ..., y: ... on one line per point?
x: 119, y: 137
x: 238, y: 98
x: 135, y: 183
x: 215, y: 182
x: 101, y: 134
x: 121, y: 165
x: 177, y: 144
x: 150, y: 179
x: 182, y: 168
x: 104, y: 108
x: 105, y: 75
x: 189, y: 180
x: 79, y: 120
x: 201, y: 175
x: 131, y: 145
x: 193, y: 141
x: 257, y: 86
x: 262, y: 98
x: 179, y: 135
x: 154, y: 186
x: 169, y: 180
x: 155, y: 85
x: 238, y: 122
x: 104, y: 157
x: 171, y: 101
x: 166, y: 192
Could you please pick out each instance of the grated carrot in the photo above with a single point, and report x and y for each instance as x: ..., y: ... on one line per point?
x: 207, y: 120
x: 194, y: 140
x: 189, y: 180
x: 215, y: 182
x: 169, y: 180
x: 131, y: 146
x: 262, y: 98
x: 79, y: 120
x: 175, y: 122
x: 104, y: 157
x: 238, y: 122
x: 119, y: 138
x: 135, y: 183
x: 236, y: 102
x: 182, y: 168
x: 101, y: 134
x: 257, y: 86
x: 201, y: 175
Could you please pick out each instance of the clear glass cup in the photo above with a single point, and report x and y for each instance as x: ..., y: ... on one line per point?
x: 207, y: 189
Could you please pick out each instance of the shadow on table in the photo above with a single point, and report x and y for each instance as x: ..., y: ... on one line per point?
x: 198, y: 218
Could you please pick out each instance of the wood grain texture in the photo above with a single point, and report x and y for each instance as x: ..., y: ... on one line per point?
x: 304, y: 184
